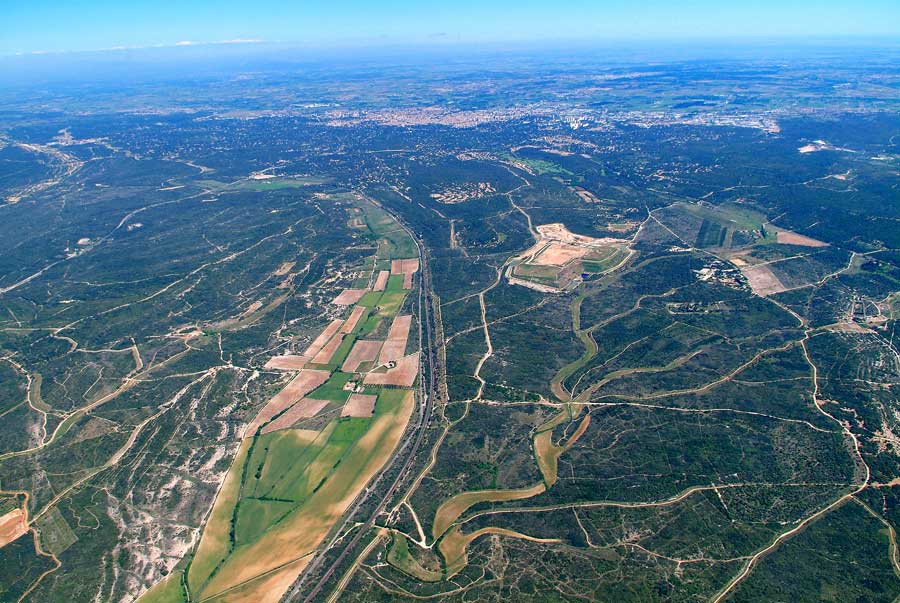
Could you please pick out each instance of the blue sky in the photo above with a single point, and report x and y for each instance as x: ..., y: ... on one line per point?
x: 74, y: 25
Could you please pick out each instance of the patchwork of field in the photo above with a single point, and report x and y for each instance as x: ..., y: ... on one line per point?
x: 313, y: 448
x: 363, y: 351
x: 306, y: 381
x: 324, y: 337
x: 381, y: 281
x: 405, y: 268
x: 302, y: 409
x: 394, y: 346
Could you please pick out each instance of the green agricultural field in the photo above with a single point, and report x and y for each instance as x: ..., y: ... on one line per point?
x: 370, y: 299
x: 333, y: 389
x: 169, y: 590
x: 256, y: 516
x: 390, y: 303
x: 395, y: 283
x: 340, y: 354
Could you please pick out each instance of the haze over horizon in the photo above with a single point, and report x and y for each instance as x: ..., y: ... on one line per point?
x: 49, y: 26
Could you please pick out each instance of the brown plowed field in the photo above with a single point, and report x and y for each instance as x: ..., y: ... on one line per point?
x: 381, y: 280
x: 323, y: 337
x: 364, y: 350
x: 324, y: 356
x: 359, y: 405
x: 402, y: 375
x: 304, y: 409
x: 348, y: 297
x: 287, y: 362
x: 787, y: 237
x: 404, y: 266
x: 407, y: 280
x: 12, y: 526
x: 354, y: 317
x: 306, y: 381
x: 395, y: 346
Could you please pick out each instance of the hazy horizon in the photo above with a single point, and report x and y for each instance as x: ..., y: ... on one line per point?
x: 51, y: 27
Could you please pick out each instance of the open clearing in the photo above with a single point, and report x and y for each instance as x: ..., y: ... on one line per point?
x: 251, y: 309
x: 359, y: 405
x: 762, y: 280
x: 451, y: 509
x: 547, y: 453
x: 284, y: 269
x: 559, y: 254
x: 400, y: 557
x: 559, y: 257
x: 55, y: 533
x: 558, y: 232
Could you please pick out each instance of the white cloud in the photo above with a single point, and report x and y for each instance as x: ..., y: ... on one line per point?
x: 240, y: 41
x: 179, y: 44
